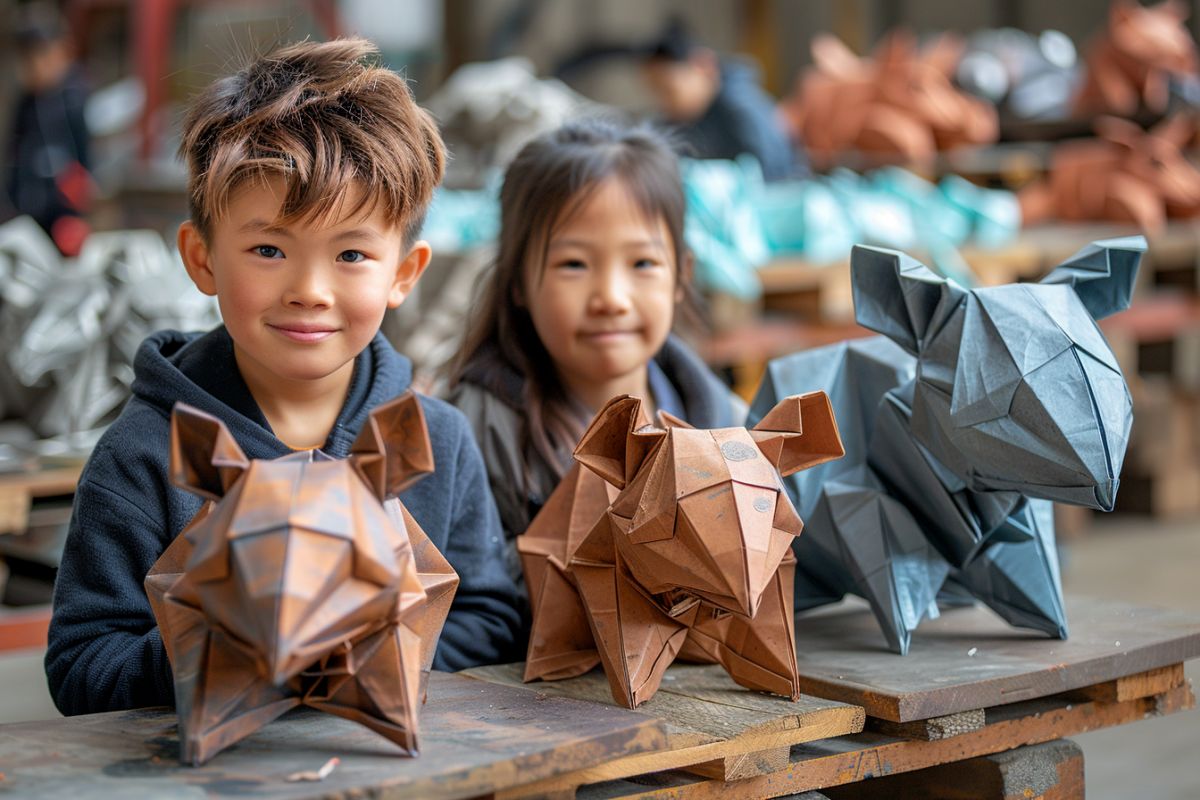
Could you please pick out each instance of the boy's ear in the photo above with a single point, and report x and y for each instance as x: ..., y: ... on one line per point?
x: 194, y: 252
x: 409, y: 271
x: 799, y: 432
x: 393, y: 449
x: 205, y: 458
x: 612, y: 446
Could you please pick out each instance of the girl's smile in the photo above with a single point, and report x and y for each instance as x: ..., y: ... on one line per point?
x: 604, y: 300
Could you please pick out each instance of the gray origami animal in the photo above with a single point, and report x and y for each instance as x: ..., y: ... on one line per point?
x: 978, y: 408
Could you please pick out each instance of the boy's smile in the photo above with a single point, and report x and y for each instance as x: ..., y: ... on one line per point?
x: 300, y: 300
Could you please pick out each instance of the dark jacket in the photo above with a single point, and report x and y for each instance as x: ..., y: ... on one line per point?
x: 105, y: 652
x: 742, y: 119
x: 496, y: 414
x: 49, y: 135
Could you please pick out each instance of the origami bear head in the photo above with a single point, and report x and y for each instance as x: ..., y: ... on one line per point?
x: 702, y: 513
x: 1016, y: 388
x: 298, y: 554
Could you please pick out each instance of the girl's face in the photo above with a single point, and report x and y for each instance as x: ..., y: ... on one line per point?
x: 604, y: 300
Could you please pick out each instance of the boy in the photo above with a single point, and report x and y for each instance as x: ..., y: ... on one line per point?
x: 309, y: 174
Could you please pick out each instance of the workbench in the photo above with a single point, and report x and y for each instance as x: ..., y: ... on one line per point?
x: 977, y: 707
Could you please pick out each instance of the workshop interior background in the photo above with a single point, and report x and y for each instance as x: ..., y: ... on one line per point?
x: 992, y: 202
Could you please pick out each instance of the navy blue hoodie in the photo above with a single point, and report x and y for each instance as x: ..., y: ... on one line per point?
x: 105, y: 652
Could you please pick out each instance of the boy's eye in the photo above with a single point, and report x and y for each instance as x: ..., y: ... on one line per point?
x: 268, y: 251
x: 352, y: 256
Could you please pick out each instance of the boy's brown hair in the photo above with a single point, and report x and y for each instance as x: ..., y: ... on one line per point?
x: 323, y: 117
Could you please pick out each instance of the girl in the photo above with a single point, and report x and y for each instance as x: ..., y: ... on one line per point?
x: 579, y: 308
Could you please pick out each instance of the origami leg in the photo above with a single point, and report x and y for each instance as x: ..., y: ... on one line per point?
x: 383, y: 687
x: 637, y: 640
x: 758, y: 653
x: 891, y: 562
x: 560, y: 642
x: 220, y: 697
x: 438, y: 579
x: 1020, y: 580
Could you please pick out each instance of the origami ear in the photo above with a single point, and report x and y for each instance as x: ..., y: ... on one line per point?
x: 612, y: 447
x: 393, y: 450
x: 896, y: 295
x: 799, y: 432
x: 205, y: 459
x: 1102, y: 274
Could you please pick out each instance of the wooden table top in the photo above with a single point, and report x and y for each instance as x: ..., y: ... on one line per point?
x: 475, y: 738
x: 969, y: 658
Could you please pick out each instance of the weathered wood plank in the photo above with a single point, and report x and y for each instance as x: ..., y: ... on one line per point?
x: 847, y: 759
x: 969, y: 658
x: 930, y: 729
x: 475, y: 738
x: 1048, y: 771
x: 699, y: 704
x: 1131, y: 687
x: 709, y: 720
x: 745, y: 765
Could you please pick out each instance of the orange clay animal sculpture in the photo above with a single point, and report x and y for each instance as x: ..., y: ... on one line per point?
x: 300, y: 583
x: 1130, y: 64
x: 899, y: 105
x: 673, y: 542
x: 1125, y: 175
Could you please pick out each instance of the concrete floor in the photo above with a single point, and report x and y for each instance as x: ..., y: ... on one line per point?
x: 1121, y: 557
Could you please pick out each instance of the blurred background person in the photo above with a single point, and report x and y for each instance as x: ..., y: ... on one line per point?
x: 48, y: 160
x: 717, y: 105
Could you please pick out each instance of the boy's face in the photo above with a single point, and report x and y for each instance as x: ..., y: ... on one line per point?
x: 300, y: 301
x: 604, y: 300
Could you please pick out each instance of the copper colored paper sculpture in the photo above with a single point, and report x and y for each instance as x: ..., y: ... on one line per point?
x: 1126, y: 175
x: 1131, y: 64
x: 302, y: 582
x: 898, y: 105
x: 673, y: 542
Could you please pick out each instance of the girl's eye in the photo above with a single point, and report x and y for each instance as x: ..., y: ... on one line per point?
x: 352, y: 256
x: 268, y: 251
x: 572, y: 263
x: 645, y: 263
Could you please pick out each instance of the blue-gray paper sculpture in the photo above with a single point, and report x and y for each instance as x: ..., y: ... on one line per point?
x: 974, y: 410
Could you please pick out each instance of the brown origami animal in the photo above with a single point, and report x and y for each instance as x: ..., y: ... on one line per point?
x: 673, y: 542
x: 302, y: 582
x: 1130, y: 64
x: 1126, y: 175
x: 899, y: 105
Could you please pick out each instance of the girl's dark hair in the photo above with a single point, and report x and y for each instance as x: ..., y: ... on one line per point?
x: 545, y: 184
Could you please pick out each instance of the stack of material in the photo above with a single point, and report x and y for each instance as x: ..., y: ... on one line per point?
x: 71, y: 326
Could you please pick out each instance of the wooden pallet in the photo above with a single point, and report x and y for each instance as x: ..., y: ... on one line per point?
x: 969, y: 659
x: 971, y: 687
x: 865, y: 757
x: 18, y: 492
x: 714, y: 727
